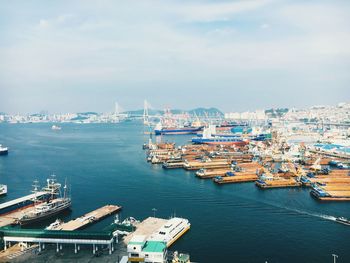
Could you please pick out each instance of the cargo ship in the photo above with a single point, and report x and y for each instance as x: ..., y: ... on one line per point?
x: 160, y: 130
x: 171, y: 231
x: 3, y: 150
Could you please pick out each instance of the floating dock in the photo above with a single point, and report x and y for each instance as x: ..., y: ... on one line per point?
x: 236, y: 178
x: 277, y: 183
x: 210, y: 173
x: 196, y: 165
x: 89, y: 218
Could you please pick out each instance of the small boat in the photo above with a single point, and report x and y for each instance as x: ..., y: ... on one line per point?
x: 180, y: 258
x: 3, y: 150
x: 3, y: 189
x: 55, y: 128
x: 54, y: 225
x: 343, y: 220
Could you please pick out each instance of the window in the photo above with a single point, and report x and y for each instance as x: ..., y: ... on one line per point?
x: 134, y: 255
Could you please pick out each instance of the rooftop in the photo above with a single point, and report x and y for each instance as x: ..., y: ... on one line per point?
x: 154, y: 246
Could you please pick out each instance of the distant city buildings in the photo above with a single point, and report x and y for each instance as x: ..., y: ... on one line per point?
x: 320, y: 114
x: 86, y: 117
x: 248, y: 115
x: 327, y: 114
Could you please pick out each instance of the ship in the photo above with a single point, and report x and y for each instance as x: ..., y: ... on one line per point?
x: 343, y: 220
x: 3, y: 189
x: 171, y: 231
x: 3, y: 150
x: 160, y: 130
x: 52, y: 207
x: 208, y: 138
x: 55, y: 128
x: 54, y: 225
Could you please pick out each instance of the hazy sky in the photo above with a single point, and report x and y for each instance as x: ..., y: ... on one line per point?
x: 65, y: 56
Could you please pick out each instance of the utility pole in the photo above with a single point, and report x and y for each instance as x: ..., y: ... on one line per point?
x: 154, y: 212
x: 334, y: 258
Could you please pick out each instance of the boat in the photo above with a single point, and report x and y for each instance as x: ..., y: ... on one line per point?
x: 54, y: 225
x: 55, y: 127
x: 180, y: 258
x: 343, y: 220
x: 160, y: 130
x: 3, y: 150
x: 51, y: 207
x: 171, y: 231
x: 208, y: 138
x: 3, y: 189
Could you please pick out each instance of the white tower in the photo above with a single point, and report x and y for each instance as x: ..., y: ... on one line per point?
x: 145, y: 113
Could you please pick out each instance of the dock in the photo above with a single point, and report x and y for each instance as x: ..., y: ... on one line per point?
x: 89, y: 218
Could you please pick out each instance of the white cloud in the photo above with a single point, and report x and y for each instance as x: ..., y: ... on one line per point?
x: 265, y: 26
x: 217, y: 11
x: 43, y: 23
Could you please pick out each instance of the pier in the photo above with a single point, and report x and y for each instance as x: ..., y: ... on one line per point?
x: 89, y: 218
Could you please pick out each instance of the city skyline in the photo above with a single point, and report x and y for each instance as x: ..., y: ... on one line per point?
x: 236, y: 56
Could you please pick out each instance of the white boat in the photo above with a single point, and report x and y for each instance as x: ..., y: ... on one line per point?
x: 173, y: 229
x: 54, y: 225
x: 3, y: 189
x: 3, y: 150
x: 55, y: 127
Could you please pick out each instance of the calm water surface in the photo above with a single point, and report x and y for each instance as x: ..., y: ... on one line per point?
x: 104, y: 164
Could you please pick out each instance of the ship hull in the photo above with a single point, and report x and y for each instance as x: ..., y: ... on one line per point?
x: 4, y: 152
x: 33, y: 220
x: 344, y: 222
x: 219, y: 142
x: 177, y: 131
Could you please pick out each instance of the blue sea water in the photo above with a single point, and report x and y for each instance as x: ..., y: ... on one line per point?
x: 105, y: 164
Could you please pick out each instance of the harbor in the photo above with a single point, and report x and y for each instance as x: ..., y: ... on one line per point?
x: 221, y: 177
x: 175, y: 131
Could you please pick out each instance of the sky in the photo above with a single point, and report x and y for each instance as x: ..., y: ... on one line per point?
x: 73, y: 56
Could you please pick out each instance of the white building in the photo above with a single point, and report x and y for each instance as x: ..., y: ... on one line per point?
x: 141, y: 250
